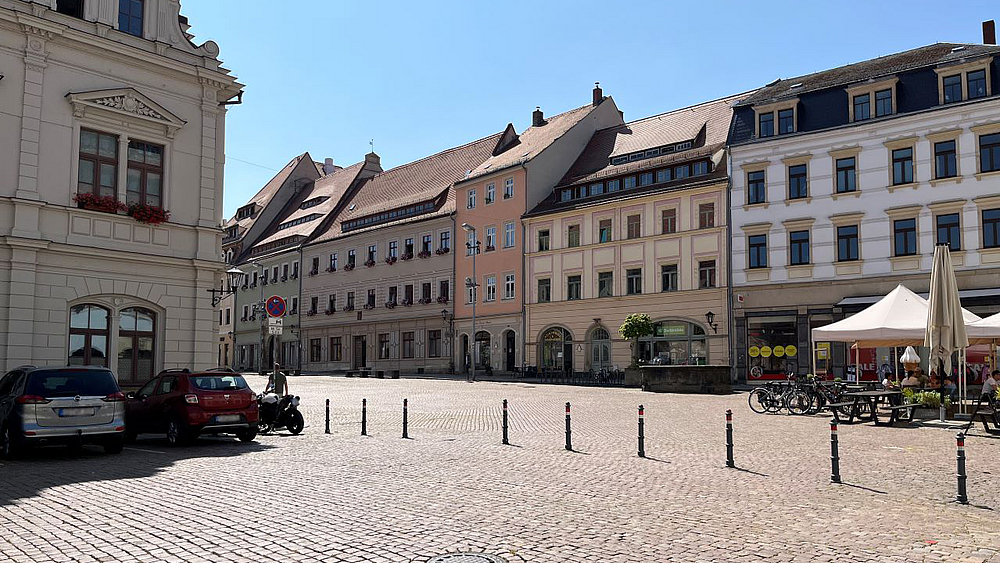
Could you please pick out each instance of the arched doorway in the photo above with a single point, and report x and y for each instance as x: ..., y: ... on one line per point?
x: 557, y: 349
x: 600, y: 349
x: 136, y: 335
x: 88, y: 335
x: 465, y: 353
x: 675, y: 342
x: 509, y: 346
x: 482, y: 349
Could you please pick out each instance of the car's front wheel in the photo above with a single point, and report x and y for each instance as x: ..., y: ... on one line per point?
x: 177, y: 432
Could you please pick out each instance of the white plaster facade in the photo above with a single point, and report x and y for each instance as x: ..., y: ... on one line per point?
x: 64, y: 73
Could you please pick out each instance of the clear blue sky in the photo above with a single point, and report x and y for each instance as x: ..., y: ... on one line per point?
x: 422, y: 76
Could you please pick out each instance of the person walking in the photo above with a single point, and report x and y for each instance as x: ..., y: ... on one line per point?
x: 278, y: 383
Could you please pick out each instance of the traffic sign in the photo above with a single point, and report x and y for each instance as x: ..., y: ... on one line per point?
x: 275, y: 306
x: 274, y: 321
x: 274, y: 330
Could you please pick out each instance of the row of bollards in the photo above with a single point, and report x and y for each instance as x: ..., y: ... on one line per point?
x: 961, y: 497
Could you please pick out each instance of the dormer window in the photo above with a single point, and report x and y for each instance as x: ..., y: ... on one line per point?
x: 765, y: 124
x: 246, y: 211
x: 786, y: 111
x: 130, y: 17
x: 786, y: 121
x: 967, y: 81
x: 862, y: 96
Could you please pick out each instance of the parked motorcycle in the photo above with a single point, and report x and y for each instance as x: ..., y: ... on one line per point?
x: 276, y: 413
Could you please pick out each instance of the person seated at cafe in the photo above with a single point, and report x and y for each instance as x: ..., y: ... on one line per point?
x: 990, y: 385
x: 933, y: 382
x: 951, y: 388
x: 911, y: 380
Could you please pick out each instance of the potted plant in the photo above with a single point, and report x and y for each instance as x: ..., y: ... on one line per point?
x: 424, y: 254
x: 444, y: 250
x: 636, y: 326
x: 390, y: 304
x: 150, y: 214
x: 329, y: 311
x: 390, y: 260
x: 348, y: 267
x: 442, y: 299
x: 93, y: 202
x: 331, y: 269
x: 407, y: 256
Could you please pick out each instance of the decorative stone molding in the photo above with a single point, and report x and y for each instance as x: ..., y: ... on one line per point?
x: 128, y: 103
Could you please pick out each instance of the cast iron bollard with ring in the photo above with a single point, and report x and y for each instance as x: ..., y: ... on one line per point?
x: 569, y: 441
x: 404, y: 419
x: 505, y: 442
x: 834, y: 453
x: 642, y: 434
x: 962, y: 497
x: 729, y: 439
x: 364, y: 417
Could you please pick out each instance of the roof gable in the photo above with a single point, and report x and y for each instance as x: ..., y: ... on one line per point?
x: 127, y: 103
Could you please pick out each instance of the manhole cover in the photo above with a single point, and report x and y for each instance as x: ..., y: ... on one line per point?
x: 467, y: 558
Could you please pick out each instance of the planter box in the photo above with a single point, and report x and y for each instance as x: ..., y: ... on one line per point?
x: 686, y: 379
x: 633, y: 377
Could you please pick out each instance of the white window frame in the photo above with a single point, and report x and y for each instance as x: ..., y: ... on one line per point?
x: 491, y: 193
x: 508, y: 188
x: 509, y: 235
x: 491, y: 237
x: 491, y: 288
x: 508, y: 286
x: 471, y: 201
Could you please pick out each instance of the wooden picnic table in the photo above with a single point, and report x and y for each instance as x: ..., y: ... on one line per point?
x: 872, y: 398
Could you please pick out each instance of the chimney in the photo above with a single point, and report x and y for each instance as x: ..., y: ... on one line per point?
x: 328, y: 167
x: 598, y: 94
x: 537, y: 120
x: 989, y: 33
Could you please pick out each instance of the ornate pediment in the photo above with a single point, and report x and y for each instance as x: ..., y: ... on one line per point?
x: 127, y: 104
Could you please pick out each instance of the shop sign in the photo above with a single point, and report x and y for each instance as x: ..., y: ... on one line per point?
x: 671, y: 329
x: 753, y: 351
x: 778, y: 351
x: 791, y: 350
x: 765, y: 351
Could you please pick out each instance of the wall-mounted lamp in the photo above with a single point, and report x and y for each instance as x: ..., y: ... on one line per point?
x: 234, y: 277
x: 710, y: 317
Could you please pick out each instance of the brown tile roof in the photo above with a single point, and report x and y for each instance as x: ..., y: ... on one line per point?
x: 675, y: 126
x: 264, y: 195
x: 429, y: 178
x: 531, y: 142
x: 928, y: 55
x: 332, y: 186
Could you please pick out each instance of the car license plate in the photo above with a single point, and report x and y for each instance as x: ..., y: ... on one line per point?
x: 227, y: 418
x: 79, y: 411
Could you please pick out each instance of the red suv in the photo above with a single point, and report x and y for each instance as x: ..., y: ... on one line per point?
x: 184, y: 404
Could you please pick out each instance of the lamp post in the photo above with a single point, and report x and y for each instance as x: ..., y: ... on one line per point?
x: 449, y: 334
x: 472, y: 283
x: 234, y: 278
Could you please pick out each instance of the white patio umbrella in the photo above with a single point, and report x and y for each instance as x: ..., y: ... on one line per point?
x: 945, y: 323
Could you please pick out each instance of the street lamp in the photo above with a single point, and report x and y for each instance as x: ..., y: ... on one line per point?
x: 472, y: 283
x: 234, y: 278
x: 710, y: 317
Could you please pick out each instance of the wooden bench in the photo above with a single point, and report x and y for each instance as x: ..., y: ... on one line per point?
x: 895, y: 411
x: 835, y: 408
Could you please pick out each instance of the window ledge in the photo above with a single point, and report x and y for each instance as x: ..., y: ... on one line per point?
x: 807, y: 199
x: 838, y: 195
x: 750, y: 206
x: 948, y: 180
x: 894, y: 187
x: 848, y: 268
x: 981, y: 175
x: 904, y: 263
x: 758, y: 274
x: 799, y: 271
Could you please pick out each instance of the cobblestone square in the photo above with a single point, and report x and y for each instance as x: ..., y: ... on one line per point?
x: 453, y: 487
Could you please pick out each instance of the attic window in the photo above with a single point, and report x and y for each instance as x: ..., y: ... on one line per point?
x: 794, y: 86
x: 652, y: 152
x: 313, y: 202
x: 619, y: 159
x: 72, y: 8
x: 246, y: 211
x: 387, y: 216
x: 299, y: 221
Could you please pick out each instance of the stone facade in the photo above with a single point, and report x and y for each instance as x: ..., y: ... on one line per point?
x: 150, y: 90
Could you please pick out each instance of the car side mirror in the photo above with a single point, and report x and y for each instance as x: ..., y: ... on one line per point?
x: 130, y: 395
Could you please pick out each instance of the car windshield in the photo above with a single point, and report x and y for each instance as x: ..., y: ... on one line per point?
x: 218, y: 382
x: 70, y: 383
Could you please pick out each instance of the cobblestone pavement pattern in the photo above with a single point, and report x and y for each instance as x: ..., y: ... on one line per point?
x: 453, y: 487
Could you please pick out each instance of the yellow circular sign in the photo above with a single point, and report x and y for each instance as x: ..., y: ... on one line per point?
x: 779, y: 351
x: 753, y: 351
x: 791, y: 350
x: 765, y: 351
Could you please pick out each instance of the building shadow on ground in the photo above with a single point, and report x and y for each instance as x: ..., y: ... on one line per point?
x: 38, y: 469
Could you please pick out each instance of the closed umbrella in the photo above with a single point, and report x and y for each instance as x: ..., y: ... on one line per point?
x: 945, y: 324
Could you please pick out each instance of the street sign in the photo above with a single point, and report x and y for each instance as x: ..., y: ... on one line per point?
x: 275, y: 306
x: 276, y: 330
x: 274, y: 321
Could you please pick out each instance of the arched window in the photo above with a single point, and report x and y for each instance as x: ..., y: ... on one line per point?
x: 675, y: 342
x: 482, y: 349
x: 88, y: 335
x: 557, y: 349
x: 136, y: 335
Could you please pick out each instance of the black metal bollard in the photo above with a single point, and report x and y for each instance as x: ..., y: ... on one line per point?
x: 834, y: 453
x: 962, y: 497
x: 328, y: 416
x: 569, y: 441
x: 364, y: 417
x: 729, y: 439
x: 642, y: 434
x: 505, y: 442
x: 405, y: 435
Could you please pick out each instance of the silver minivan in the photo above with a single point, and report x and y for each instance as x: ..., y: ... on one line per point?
x: 60, y: 405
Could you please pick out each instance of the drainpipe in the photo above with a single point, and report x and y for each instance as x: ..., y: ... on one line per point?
x: 524, y: 307
x: 298, y: 313
x: 729, y: 267
x: 454, y: 289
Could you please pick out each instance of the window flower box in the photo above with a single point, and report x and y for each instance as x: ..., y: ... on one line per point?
x: 331, y: 269
x: 295, y: 276
x: 106, y: 203
x: 407, y: 256
x: 311, y: 313
x: 490, y: 248
x: 369, y: 306
x: 329, y: 311
x: 348, y: 308
x: 424, y: 254
x: 442, y: 251
x: 407, y: 302
x: 370, y: 263
x: 348, y: 267
x: 313, y: 272
x: 424, y: 301
x: 390, y: 260
x: 442, y: 299
x: 390, y: 304
x: 284, y: 278
x: 148, y: 214
x: 263, y: 281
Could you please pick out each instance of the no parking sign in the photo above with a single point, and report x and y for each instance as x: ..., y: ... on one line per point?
x: 275, y: 306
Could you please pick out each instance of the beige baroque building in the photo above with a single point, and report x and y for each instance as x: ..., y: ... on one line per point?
x: 637, y: 225
x: 114, y: 102
x: 380, y: 284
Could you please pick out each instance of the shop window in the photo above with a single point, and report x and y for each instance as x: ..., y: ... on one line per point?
x: 771, y: 348
x: 88, y: 335
x: 675, y: 343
